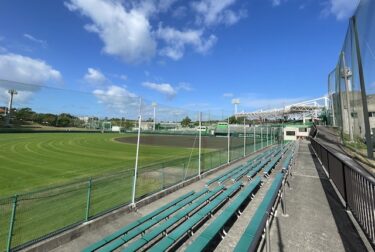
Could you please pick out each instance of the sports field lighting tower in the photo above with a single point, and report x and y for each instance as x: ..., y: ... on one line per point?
x: 235, y: 102
x: 12, y: 93
x: 154, y: 105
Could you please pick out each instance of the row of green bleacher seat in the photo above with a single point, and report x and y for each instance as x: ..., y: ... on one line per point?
x: 182, y: 230
x: 203, y: 241
x: 188, y: 211
x: 250, y: 238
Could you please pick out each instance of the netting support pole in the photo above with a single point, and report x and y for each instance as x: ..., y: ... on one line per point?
x: 267, y: 135
x: 88, y: 200
x: 255, y: 146
x: 228, y: 135
x: 200, y: 144
x: 136, y: 160
x: 261, y: 137
x: 11, y: 222
x: 244, y: 137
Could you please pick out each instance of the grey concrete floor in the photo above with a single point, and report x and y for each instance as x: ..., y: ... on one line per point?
x: 316, y: 219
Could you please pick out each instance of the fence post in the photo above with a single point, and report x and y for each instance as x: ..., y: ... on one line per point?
x: 88, y: 200
x: 211, y: 160
x: 344, y: 182
x: 162, y: 173
x: 228, y: 158
x: 254, y: 140
x: 12, y: 220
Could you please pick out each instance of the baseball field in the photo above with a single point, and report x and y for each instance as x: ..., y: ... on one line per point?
x: 35, y: 160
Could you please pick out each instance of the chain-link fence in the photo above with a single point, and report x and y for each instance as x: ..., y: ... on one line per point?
x: 351, y: 84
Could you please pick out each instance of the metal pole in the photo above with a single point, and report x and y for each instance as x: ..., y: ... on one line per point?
x: 271, y: 135
x: 267, y: 135
x: 11, y: 222
x: 137, y: 153
x: 348, y: 106
x: 244, y: 137
x: 228, y: 136
x: 268, y: 242
x: 283, y: 200
x: 261, y: 137
x: 255, y: 147
x: 200, y: 144
x: 88, y: 200
x: 154, y: 117
x: 370, y: 151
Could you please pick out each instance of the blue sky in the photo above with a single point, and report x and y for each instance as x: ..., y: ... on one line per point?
x: 194, y: 55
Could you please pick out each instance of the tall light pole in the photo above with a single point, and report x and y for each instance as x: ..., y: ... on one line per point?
x: 235, y: 102
x: 346, y: 74
x: 154, y: 105
x: 12, y: 92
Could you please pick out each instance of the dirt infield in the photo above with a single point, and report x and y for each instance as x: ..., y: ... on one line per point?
x: 209, y: 142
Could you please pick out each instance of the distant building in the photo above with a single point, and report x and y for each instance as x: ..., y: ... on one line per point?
x: 294, y: 132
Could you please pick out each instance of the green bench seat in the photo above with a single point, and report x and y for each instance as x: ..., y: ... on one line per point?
x: 189, y: 210
x: 272, y: 164
x: 222, y: 175
x: 205, y: 238
x: 182, y: 230
x: 250, y: 238
x: 127, y: 228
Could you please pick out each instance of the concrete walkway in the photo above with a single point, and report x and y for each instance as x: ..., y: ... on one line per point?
x: 316, y: 219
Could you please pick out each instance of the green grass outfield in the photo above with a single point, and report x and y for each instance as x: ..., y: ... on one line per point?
x: 31, y: 161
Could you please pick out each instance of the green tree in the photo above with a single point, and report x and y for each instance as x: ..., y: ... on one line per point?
x: 233, y: 120
x: 24, y: 114
x: 185, y: 122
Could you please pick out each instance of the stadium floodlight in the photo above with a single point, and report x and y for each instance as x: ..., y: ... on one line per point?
x: 346, y: 73
x: 235, y: 102
x: 12, y: 93
x: 154, y: 105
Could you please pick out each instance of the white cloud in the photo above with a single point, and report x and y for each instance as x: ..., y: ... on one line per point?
x: 167, y: 89
x: 43, y: 43
x: 95, y: 77
x: 117, y: 99
x: 184, y: 86
x: 276, y: 2
x: 123, y: 77
x: 16, y: 70
x: 125, y: 33
x: 228, y: 95
x: 213, y: 12
x: 176, y: 41
x: 164, y: 88
x: 342, y: 9
x: 20, y: 68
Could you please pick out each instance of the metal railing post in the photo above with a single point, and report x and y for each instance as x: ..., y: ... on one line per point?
x: 11, y: 223
x: 88, y: 200
x: 268, y: 242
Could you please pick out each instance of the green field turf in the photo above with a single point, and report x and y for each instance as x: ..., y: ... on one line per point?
x: 36, y: 160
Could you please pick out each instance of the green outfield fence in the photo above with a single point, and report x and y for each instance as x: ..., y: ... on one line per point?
x: 30, y: 217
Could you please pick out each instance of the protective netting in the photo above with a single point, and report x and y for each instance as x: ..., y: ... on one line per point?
x: 350, y: 84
